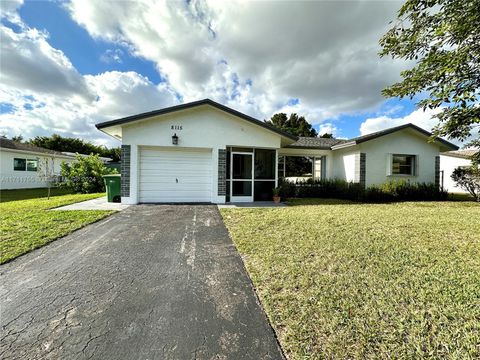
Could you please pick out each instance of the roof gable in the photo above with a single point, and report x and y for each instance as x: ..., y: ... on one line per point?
x: 375, y: 135
x: 238, y: 114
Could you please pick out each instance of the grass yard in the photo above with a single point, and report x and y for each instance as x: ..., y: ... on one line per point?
x: 24, y: 194
x: 356, y: 281
x: 27, y: 224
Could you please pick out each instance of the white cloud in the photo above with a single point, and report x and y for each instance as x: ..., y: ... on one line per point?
x: 112, y: 56
x: 328, y: 128
x: 30, y: 64
x: 253, y: 56
x: 423, y: 119
x: 47, y: 114
x: 127, y: 93
x: 8, y: 10
x: 48, y: 95
x: 257, y: 55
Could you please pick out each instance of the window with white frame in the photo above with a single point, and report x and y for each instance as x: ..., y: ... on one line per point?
x: 403, y: 164
x: 32, y: 164
x: 25, y: 164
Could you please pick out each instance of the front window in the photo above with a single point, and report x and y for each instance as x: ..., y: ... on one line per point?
x: 403, y: 164
x: 32, y: 165
x: 299, y: 168
x: 19, y: 164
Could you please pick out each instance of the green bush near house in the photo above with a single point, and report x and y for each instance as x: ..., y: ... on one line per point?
x: 402, y: 190
x: 468, y: 178
x: 85, y: 174
x: 394, y: 190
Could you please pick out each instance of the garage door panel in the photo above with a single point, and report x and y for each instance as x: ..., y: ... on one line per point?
x: 183, y: 175
x: 175, y: 173
x: 175, y: 168
x: 169, y: 176
x: 186, y: 183
x: 162, y: 187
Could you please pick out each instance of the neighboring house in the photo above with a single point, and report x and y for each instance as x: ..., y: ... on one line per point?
x: 24, y: 166
x: 449, y: 161
x: 206, y: 152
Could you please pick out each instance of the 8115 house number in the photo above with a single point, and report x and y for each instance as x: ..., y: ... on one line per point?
x: 177, y: 127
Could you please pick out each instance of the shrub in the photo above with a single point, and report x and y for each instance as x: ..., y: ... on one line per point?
x: 84, y: 175
x: 403, y: 190
x: 468, y: 178
x: 286, y: 189
x: 328, y: 188
x: 394, y: 190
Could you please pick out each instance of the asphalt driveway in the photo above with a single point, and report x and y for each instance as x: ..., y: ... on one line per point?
x: 151, y: 282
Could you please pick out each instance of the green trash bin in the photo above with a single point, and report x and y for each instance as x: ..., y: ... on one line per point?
x: 112, y: 185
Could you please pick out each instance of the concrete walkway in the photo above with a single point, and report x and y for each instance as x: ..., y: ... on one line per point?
x: 256, y: 204
x: 149, y: 282
x: 94, y: 204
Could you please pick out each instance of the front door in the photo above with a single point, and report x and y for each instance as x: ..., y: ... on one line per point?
x: 241, y: 189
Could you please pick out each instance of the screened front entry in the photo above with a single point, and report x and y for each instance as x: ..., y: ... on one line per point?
x: 250, y: 174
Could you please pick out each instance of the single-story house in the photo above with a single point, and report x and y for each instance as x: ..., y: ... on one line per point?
x: 204, y: 151
x: 24, y: 166
x: 449, y: 161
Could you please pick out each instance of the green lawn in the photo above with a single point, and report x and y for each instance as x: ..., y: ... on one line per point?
x: 357, y: 281
x: 24, y: 194
x: 27, y: 224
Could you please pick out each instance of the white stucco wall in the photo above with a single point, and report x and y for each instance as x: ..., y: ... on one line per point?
x: 15, y: 179
x: 346, y: 164
x: 203, y: 127
x: 407, y: 142
x: 447, y: 165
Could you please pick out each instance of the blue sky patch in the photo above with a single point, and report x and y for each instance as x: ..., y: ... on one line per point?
x: 84, y: 52
x: 6, y: 108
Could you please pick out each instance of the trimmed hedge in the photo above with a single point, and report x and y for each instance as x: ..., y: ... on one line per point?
x: 394, y: 190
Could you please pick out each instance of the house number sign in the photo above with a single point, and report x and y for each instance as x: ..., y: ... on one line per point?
x: 177, y: 127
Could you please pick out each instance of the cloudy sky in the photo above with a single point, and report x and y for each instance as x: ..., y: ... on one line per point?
x: 68, y: 65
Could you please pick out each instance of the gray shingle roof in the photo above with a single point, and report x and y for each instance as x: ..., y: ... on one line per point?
x: 10, y: 144
x: 465, y: 154
x: 316, y: 143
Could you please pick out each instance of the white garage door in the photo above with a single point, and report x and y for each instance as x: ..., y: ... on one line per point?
x: 180, y: 175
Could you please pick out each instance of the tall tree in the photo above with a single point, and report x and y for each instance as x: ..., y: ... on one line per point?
x: 17, y: 138
x: 442, y: 37
x: 295, y: 125
x: 327, y: 135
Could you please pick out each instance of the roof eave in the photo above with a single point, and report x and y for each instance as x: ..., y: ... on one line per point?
x: 344, y: 145
x: 308, y: 147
